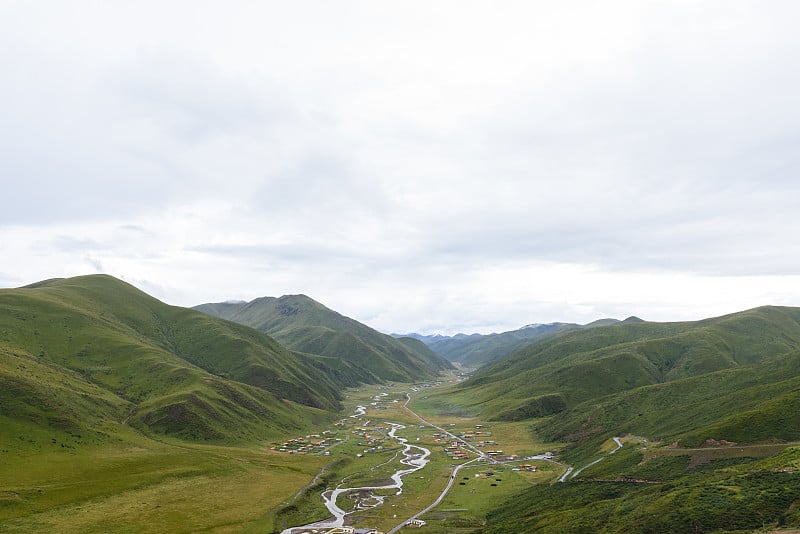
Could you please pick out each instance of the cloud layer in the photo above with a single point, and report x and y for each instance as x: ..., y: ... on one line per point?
x: 433, y: 167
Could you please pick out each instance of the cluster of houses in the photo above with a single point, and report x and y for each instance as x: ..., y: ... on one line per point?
x: 373, y: 438
x: 525, y: 467
x: 499, y: 456
x: 312, y: 443
x: 417, y: 387
x: 455, y: 451
x: 439, y: 437
x: 473, y: 434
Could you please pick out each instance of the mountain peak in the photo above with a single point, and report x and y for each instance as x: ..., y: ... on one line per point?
x: 633, y: 319
x: 304, y: 325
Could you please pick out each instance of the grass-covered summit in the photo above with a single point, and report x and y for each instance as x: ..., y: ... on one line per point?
x: 305, y: 325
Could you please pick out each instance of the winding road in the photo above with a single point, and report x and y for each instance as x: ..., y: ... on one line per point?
x: 576, y: 473
x: 438, y: 500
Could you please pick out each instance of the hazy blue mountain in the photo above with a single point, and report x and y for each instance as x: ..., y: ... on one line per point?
x: 476, y: 350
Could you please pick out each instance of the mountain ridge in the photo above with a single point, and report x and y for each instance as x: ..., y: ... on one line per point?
x: 305, y: 325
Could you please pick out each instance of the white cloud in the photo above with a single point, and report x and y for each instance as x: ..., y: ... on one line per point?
x: 446, y: 166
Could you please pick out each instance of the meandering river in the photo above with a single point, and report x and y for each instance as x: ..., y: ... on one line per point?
x: 413, y: 458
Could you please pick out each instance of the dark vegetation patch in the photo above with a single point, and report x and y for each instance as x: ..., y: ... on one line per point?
x: 534, y: 408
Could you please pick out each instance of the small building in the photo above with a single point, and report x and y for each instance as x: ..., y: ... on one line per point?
x: 415, y: 523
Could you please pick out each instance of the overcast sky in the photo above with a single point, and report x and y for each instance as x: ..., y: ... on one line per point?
x: 419, y: 166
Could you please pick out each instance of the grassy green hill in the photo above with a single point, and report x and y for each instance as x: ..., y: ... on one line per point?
x: 81, y: 352
x: 568, y: 369
x: 307, y: 326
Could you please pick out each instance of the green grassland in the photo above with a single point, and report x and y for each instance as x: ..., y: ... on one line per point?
x: 717, y: 401
x: 644, y: 487
x: 135, y: 484
x: 728, y: 378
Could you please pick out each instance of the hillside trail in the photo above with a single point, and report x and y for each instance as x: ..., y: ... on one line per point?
x: 577, y: 472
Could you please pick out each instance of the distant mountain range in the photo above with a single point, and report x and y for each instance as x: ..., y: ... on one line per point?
x: 475, y: 350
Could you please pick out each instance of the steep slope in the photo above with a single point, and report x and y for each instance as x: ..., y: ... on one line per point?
x: 421, y: 348
x: 83, y: 353
x: 304, y: 325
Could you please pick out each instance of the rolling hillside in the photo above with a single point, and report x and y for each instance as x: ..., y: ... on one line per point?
x: 304, y: 325
x: 708, y: 413
x: 83, y: 355
x: 690, y: 381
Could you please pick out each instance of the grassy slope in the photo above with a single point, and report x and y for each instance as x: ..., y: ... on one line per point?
x: 745, y: 404
x: 305, y: 325
x: 126, y: 482
x: 641, y: 490
x: 723, y: 496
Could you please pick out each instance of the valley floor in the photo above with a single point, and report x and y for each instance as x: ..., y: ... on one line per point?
x: 482, y: 464
x: 143, y: 485
x: 133, y: 483
x: 475, y: 469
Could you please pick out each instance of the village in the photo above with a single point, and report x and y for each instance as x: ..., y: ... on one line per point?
x: 369, y: 435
